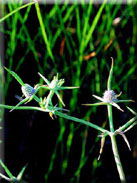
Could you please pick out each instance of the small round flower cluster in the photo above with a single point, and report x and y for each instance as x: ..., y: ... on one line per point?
x: 56, y: 84
x: 110, y: 96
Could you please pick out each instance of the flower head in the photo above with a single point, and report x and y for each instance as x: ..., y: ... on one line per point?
x: 110, y: 96
x: 27, y: 90
x: 56, y: 83
x: 54, y: 86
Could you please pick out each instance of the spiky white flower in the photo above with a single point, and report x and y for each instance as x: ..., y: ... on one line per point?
x: 110, y: 96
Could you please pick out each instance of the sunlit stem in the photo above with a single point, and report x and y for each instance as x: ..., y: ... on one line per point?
x: 114, y: 146
x: 117, y: 159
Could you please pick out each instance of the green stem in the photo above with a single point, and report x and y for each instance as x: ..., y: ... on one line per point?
x: 114, y: 146
x: 2, y: 100
x: 45, y: 37
x: 130, y: 122
x: 110, y: 116
x: 81, y: 121
x: 14, y: 11
x: 60, y: 114
x: 117, y: 159
x: 36, y: 99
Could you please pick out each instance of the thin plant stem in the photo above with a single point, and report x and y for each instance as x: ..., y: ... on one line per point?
x: 60, y: 114
x: 114, y: 146
x: 117, y: 159
x: 110, y: 116
x: 130, y: 122
x: 18, y: 9
x: 81, y: 121
x: 44, y: 34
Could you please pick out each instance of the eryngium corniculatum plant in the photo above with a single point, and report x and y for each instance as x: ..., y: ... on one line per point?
x: 109, y: 99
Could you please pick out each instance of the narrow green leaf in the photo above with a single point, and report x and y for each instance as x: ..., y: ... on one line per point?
x: 110, y: 75
x: 96, y: 104
x: 15, y: 76
x: 131, y: 110
x: 119, y: 101
x: 68, y: 87
x: 14, y: 11
x: 131, y: 126
x: 94, y: 24
x: 6, y: 169
x: 127, y: 125
x: 45, y: 37
x: 46, y: 81
x: 21, y: 102
x: 59, y: 98
x: 19, y: 177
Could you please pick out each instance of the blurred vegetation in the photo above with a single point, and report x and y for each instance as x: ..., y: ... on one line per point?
x: 77, y: 41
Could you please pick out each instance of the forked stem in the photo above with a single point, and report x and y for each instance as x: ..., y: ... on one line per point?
x: 114, y: 146
x: 117, y: 159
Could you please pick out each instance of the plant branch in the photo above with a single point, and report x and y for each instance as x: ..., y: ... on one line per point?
x: 60, y: 114
x: 81, y: 121
x: 117, y: 159
x: 125, y: 126
x: 114, y: 146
